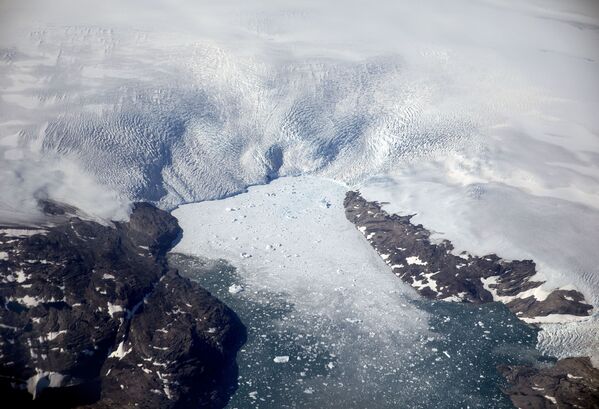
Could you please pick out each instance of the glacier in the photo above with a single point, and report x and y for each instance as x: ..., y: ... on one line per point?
x: 177, y: 114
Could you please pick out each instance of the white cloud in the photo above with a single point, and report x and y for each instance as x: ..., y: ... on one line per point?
x: 24, y: 181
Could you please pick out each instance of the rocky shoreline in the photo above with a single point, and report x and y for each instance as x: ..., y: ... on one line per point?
x: 434, y: 271
x: 570, y: 383
x: 93, y: 317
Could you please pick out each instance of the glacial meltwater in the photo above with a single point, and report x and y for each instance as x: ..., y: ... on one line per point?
x: 296, y: 360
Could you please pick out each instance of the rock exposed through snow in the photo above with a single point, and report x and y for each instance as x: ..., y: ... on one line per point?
x: 93, y: 316
x: 435, y: 272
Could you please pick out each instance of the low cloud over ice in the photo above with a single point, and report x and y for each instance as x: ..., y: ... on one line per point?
x: 26, y: 180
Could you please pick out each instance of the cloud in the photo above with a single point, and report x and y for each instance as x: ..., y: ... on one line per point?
x: 32, y: 177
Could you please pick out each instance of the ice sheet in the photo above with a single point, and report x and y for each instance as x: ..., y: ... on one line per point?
x: 198, y: 101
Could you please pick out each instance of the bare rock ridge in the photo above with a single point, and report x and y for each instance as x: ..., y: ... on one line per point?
x: 436, y: 273
x: 93, y: 316
x: 570, y: 383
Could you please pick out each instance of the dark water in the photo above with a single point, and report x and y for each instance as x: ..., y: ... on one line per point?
x: 453, y: 367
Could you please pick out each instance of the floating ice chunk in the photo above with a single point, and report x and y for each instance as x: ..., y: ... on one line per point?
x: 281, y: 359
x: 107, y: 277
x: 253, y: 395
x: 235, y: 289
x: 3, y: 255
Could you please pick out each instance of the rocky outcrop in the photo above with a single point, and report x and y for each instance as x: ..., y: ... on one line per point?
x: 436, y: 272
x: 92, y: 316
x: 570, y: 383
